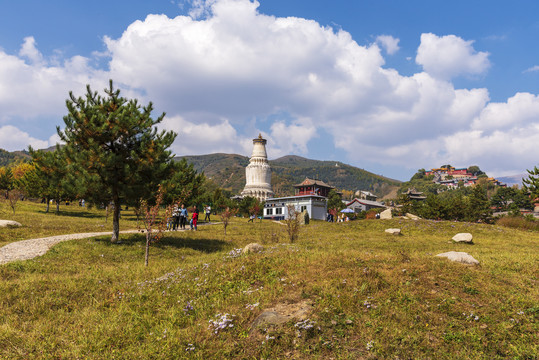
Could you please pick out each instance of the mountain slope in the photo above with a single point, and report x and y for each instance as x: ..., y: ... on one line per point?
x: 228, y: 171
x: 7, y: 157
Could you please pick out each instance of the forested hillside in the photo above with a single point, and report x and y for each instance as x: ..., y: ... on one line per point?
x: 228, y: 171
x: 7, y: 157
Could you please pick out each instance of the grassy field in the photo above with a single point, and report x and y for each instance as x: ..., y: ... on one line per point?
x: 71, y: 219
x: 369, y: 295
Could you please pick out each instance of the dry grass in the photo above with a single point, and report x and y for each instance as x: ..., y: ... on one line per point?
x: 71, y: 219
x: 373, y: 295
x: 519, y: 222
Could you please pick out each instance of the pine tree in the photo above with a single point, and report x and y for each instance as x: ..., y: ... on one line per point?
x: 49, y: 178
x: 114, y: 150
x: 479, y: 205
x: 531, y: 184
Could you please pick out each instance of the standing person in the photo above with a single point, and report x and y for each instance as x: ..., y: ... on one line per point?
x: 208, y: 213
x: 175, y: 218
x: 194, y: 219
x: 183, y: 217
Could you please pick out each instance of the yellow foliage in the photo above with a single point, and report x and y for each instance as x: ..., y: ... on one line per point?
x: 21, y: 169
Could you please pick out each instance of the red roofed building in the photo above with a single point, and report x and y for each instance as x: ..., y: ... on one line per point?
x: 313, y: 187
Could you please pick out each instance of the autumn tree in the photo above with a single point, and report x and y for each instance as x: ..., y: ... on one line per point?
x: 6, y: 180
x: 292, y: 223
x: 114, y: 148
x: 154, y: 222
x: 226, y: 216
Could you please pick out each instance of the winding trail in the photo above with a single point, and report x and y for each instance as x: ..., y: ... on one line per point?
x: 29, y: 249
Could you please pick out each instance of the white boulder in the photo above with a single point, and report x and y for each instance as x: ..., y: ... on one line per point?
x: 253, y: 248
x: 386, y: 214
x: 460, y: 257
x: 393, y: 231
x: 463, y: 237
x: 9, y: 223
x: 412, y: 216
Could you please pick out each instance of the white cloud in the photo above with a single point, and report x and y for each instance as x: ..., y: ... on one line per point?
x: 291, y: 138
x: 389, y: 43
x: 534, y: 68
x: 203, y: 138
x: 519, y: 111
x: 450, y: 56
x: 224, y: 73
x: 39, y: 89
x: 29, y: 51
x: 13, y: 139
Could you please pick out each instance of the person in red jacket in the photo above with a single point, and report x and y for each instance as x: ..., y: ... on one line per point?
x: 194, y: 219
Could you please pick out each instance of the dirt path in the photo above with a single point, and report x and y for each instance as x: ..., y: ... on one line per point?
x: 29, y: 249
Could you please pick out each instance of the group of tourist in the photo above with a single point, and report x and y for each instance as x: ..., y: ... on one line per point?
x: 178, y: 219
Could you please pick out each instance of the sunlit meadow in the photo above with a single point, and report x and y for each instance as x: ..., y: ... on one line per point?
x: 369, y: 294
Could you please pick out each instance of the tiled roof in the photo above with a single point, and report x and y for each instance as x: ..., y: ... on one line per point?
x: 308, y: 181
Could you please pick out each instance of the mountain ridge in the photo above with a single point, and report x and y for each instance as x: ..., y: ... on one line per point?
x: 228, y: 171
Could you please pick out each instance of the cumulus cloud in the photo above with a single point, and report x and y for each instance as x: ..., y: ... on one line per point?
x: 13, y: 139
x: 203, y: 138
x: 389, y: 43
x: 519, y: 111
x: 449, y: 56
x: 291, y: 138
x: 225, y: 73
x: 39, y: 88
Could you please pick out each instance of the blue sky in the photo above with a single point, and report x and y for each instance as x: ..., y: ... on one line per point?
x: 388, y: 86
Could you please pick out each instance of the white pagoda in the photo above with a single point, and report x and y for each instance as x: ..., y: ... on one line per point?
x: 258, y: 172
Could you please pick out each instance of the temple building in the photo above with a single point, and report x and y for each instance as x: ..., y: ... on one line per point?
x: 310, y: 195
x: 258, y: 172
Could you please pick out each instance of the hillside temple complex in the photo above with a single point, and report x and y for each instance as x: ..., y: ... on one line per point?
x: 258, y: 172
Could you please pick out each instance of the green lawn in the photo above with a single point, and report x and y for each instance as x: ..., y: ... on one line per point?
x: 373, y: 295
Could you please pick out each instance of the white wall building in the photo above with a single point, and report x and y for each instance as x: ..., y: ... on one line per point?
x: 258, y: 172
x: 277, y: 208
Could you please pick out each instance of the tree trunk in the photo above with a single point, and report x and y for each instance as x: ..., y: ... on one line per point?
x: 148, y: 239
x: 116, y: 221
x: 57, y: 207
x: 48, y: 203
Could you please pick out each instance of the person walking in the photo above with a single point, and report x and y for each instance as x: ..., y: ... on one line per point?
x: 207, y: 210
x: 194, y: 219
x: 175, y: 218
x: 183, y: 217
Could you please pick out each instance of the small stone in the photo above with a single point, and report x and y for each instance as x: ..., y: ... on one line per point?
x: 393, y: 231
x: 461, y: 257
x: 463, y: 237
x: 349, y: 322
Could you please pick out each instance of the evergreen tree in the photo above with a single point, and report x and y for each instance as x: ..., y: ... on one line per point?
x: 49, y: 178
x: 6, y: 179
x: 114, y: 149
x: 184, y: 183
x: 479, y: 205
x: 335, y: 200
x: 531, y: 184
